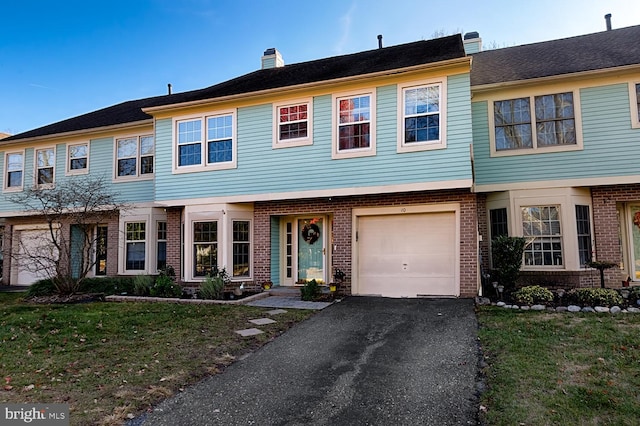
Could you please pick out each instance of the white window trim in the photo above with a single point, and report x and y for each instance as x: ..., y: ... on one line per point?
x: 150, y: 216
x: 229, y: 247
x: 577, y: 114
x: 633, y: 98
x: 68, y: 170
x: 138, y: 176
x: 36, y: 168
x: 5, y: 179
x: 204, y: 166
x: 288, y: 143
x: 335, y: 109
x: 427, y: 145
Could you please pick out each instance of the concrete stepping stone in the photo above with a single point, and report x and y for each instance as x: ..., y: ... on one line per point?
x: 276, y: 312
x: 262, y: 321
x: 249, y: 332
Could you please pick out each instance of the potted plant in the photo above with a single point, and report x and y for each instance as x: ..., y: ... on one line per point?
x: 267, y: 285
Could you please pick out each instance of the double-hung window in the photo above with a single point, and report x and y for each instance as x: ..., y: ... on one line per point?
x: 241, y: 248
x: 78, y: 158
x: 535, y: 123
x: 355, y: 129
x: 45, y: 161
x: 634, y: 96
x: 135, y: 254
x: 422, y: 117
x: 14, y: 166
x: 161, y: 254
x: 206, y: 142
x: 205, y: 248
x: 135, y: 156
x: 541, y: 228
x: 292, y: 124
x: 583, y: 224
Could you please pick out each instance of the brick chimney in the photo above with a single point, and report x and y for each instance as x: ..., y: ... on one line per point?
x: 272, y: 59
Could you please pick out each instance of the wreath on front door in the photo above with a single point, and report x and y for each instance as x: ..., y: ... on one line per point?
x: 310, y: 233
x: 636, y: 219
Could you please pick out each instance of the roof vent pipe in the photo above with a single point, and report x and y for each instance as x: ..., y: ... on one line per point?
x: 607, y: 18
x: 379, y: 41
x: 169, y: 88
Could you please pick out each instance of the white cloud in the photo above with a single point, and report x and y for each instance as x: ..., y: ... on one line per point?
x: 345, y: 23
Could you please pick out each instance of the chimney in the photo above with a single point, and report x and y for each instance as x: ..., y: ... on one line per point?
x: 169, y: 88
x: 379, y: 41
x: 272, y: 59
x: 472, y: 43
x: 607, y: 18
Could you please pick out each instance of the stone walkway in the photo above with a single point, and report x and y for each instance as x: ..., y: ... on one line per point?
x: 260, y: 321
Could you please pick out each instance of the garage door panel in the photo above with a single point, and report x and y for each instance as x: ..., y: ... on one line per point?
x: 34, y: 253
x: 407, y: 255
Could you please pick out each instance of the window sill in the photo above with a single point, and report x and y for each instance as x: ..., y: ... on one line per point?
x: 529, y: 151
x: 208, y: 168
x: 421, y: 146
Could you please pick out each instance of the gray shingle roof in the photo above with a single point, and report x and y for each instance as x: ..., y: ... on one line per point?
x: 371, y: 61
x: 607, y: 49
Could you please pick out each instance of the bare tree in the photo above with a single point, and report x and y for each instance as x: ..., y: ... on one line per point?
x: 64, y: 250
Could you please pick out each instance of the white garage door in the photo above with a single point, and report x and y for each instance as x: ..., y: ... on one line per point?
x: 33, y: 252
x: 407, y: 255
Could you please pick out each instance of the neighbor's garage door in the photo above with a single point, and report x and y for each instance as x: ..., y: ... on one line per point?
x: 407, y: 255
x: 33, y: 252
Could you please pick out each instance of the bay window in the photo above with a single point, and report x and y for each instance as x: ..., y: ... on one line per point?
x: 135, y: 246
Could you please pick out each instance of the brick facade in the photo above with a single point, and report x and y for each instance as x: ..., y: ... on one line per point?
x: 340, y: 211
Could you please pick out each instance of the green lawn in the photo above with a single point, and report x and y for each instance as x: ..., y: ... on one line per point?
x: 560, y: 368
x: 110, y: 360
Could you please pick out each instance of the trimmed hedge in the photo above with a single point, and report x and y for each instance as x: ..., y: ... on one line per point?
x: 596, y: 297
x: 533, y: 295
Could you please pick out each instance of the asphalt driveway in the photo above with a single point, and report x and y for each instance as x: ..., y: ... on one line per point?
x: 363, y: 361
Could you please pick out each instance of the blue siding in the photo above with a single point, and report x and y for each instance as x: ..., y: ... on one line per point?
x: 262, y: 169
x: 611, y: 147
x: 101, y: 164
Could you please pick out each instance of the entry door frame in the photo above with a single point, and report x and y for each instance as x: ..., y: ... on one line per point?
x: 285, y: 280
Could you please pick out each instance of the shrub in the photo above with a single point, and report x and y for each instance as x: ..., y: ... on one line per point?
x: 211, y: 288
x: 533, y: 295
x: 142, y: 284
x: 41, y: 288
x: 310, y: 290
x: 165, y: 287
x: 213, y: 285
x: 507, y: 259
x: 596, y: 297
x: 107, y: 285
x: 634, y: 295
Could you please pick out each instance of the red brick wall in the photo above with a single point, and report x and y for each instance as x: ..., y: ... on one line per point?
x: 174, y: 242
x: 340, y: 208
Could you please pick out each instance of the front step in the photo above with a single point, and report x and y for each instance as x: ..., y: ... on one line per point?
x: 284, y: 291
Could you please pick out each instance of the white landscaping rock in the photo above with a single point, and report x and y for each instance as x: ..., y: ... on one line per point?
x: 589, y: 309
x: 574, y: 308
x: 500, y: 304
x: 562, y: 309
x: 615, y: 310
x: 601, y: 309
x: 538, y: 308
x: 525, y: 308
x: 632, y: 310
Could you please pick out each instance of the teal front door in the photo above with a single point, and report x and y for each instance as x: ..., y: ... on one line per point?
x: 311, y: 249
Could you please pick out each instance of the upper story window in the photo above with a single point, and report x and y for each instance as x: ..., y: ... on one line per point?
x: 355, y: 130
x: 293, y: 126
x: 422, y: 114
x: 208, y: 142
x: 535, y: 123
x: 78, y: 158
x: 45, y: 161
x: 14, y: 168
x: 134, y: 156
x: 634, y: 96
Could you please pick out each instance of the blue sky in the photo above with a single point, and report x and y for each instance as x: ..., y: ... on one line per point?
x: 65, y: 58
